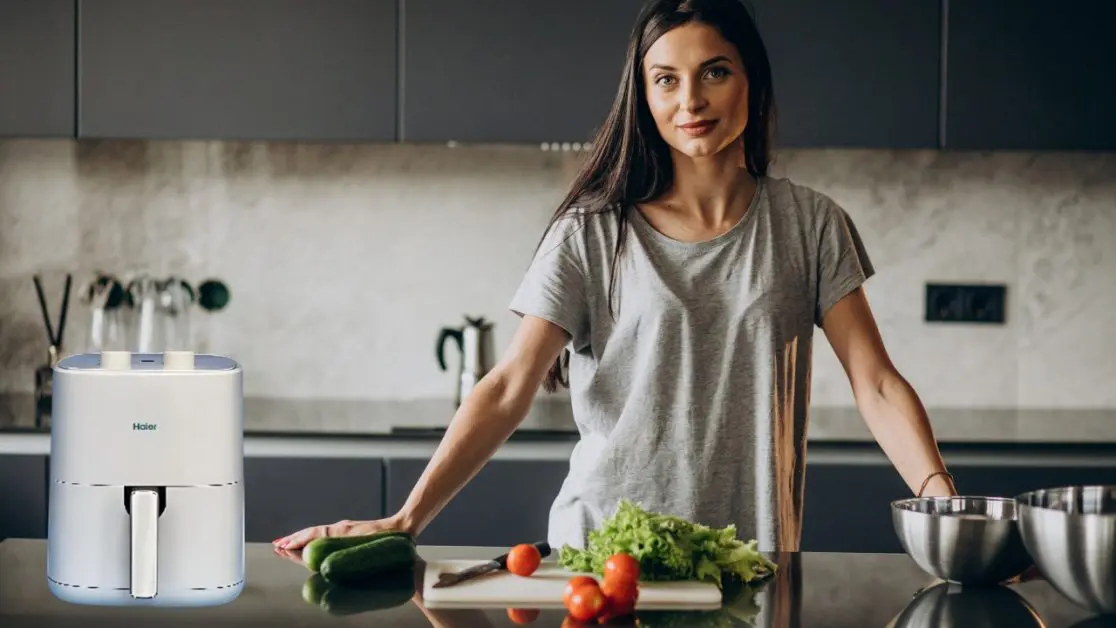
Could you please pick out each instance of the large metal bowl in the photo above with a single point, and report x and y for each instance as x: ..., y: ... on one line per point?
x: 946, y: 605
x: 965, y: 540
x: 1071, y: 533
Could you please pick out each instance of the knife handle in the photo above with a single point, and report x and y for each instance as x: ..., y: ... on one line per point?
x: 542, y: 546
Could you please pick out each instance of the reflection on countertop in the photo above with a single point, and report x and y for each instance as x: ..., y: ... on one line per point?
x: 808, y: 589
x: 551, y: 418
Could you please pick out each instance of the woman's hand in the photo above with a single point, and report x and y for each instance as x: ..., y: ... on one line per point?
x: 300, y: 539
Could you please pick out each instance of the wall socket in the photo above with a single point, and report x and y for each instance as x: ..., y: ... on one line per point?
x: 966, y: 303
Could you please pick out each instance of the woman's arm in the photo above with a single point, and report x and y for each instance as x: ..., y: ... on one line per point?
x: 888, y: 403
x: 483, y: 422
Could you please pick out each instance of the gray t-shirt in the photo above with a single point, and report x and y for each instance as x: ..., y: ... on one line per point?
x: 694, y: 400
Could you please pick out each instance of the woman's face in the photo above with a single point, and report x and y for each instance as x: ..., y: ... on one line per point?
x: 696, y: 89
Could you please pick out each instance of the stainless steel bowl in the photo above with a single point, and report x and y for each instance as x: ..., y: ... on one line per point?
x: 965, y: 540
x: 1071, y: 533
x: 943, y: 606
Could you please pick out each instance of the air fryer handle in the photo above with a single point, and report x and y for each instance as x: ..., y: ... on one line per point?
x: 143, y: 507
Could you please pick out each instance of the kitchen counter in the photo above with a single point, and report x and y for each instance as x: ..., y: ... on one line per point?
x: 550, y: 420
x: 811, y: 589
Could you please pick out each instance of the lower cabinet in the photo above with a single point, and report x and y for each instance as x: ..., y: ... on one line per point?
x: 508, y: 502
x: 847, y: 508
x: 282, y: 495
x: 23, y: 491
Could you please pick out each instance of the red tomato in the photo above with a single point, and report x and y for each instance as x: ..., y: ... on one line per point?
x: 622, y: 568
x: 523, y: 615
x: 524, y: 559
x: 575, y: 582
x: 586, y: 603
x: 621, y: 596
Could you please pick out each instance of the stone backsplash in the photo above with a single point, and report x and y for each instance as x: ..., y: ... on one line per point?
x: 344, y: 261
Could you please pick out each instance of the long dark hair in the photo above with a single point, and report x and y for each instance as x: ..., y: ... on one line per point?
x: 629, y: 161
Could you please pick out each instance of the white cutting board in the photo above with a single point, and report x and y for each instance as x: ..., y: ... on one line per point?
x: 544, y: 588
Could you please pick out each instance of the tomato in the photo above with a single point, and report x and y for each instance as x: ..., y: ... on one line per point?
x: 621, y: 567
x: 523, y: 615
x: 586, y: 602
x: 524, y: 559
x: 621, y: 596
x: 575, y: 582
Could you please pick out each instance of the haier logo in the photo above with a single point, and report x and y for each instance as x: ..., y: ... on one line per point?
x: 143, y: 427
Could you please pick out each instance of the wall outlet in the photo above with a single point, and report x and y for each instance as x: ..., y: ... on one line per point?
x: 966, y: 303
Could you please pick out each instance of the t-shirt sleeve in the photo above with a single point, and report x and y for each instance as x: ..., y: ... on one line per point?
x: 554, y: 286
x: 843, y: 261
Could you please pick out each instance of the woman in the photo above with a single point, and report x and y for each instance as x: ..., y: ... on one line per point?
x: 680, y: 285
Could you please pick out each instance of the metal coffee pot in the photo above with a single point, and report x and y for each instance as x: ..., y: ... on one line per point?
x: 475, y: 344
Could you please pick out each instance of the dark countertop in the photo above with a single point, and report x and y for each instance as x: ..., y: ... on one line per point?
x: 831, y: 590
x: 550, y: 420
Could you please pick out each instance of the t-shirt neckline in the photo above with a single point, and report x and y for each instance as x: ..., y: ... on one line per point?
x: 643, y: 225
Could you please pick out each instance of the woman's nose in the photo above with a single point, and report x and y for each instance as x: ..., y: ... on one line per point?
x: 692, y: 98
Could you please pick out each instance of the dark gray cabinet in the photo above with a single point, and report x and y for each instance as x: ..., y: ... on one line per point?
x: 511, y: 71
x: 23, y: 491
x: 508, y: 502
x: 847, y: 508
x: 1031, y: 75
x: 282, y: 495
x: 250, y: 69
x: 37, y: 68
x: 856, y: 73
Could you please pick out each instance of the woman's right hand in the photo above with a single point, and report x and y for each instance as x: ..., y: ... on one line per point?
x: 298, y: 540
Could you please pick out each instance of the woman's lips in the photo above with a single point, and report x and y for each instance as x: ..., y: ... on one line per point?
x: 697, y: 129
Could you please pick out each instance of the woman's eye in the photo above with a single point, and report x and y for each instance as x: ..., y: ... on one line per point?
x: 718, y: 72
x: 662, y: 79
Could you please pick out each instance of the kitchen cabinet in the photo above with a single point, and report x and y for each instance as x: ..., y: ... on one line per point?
x: 285, y: 494
x: 508, y: 502
x: 251, y: 69
x: 1031, y: 75
x: 1010, y: 480
x: 37, y: 68
x: 847, y: 508
x: 509, y: 71
x: 23, y: 491
x: 857, y: 73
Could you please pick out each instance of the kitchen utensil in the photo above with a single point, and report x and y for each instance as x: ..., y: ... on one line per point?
x: 54, y: 341
x: 44, y: 373
x: 1071, y: 532
x: 949, y: 605
x: 144, y: 295
x: 500, y: 562
x: 103, y: 296
x: 966, y: 540
x: 146, y: 488
x: 544, y: 589
x: 176, y: 299
x: 474, y: 341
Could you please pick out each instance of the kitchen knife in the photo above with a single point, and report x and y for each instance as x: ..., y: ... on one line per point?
x: 500, y: 562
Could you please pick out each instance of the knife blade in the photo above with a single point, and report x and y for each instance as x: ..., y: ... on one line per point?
x: 496, y: 564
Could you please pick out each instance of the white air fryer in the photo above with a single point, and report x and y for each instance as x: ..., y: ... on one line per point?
x: 146, y: 480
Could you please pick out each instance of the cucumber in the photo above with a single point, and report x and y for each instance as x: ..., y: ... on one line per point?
x: 367, y: 561
x: 314, y: 588
x: 319, y: 549
x: 386, y: 591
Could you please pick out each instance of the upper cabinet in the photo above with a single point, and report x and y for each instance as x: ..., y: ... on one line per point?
x: 1031, y: 75
x: 36, y: 68
x: 509, y: 71
x: 250, y: 69
x: 855, y: 73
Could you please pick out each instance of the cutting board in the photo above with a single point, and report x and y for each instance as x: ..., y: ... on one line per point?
x: 545, y: 587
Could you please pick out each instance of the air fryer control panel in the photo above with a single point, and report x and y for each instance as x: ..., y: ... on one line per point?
x: 128, y: 361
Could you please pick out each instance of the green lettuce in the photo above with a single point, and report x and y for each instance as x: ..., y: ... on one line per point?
x: 669, y: 548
